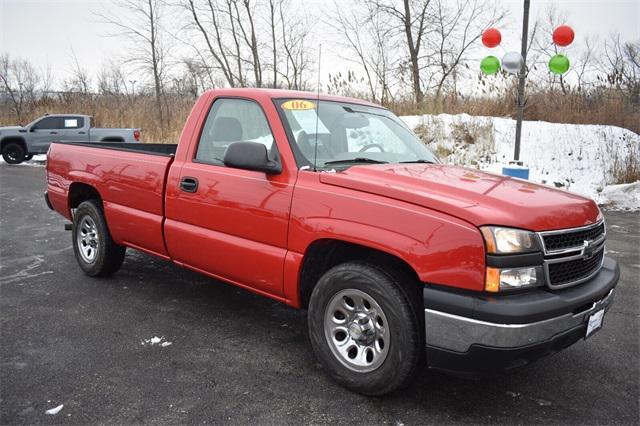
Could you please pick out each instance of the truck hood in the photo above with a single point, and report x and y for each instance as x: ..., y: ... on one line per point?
x: 11, y: 129
x: 477, y: 197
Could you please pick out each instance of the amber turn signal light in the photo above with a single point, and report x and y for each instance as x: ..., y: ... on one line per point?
x: 492, y: 280
x: 489, y: 239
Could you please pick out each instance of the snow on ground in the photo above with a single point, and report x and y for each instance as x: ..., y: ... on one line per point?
x: 54, y: 411
x: 155, y: 340
x: 36, y: 161
x: 625, y: 196
x: 578, y: 158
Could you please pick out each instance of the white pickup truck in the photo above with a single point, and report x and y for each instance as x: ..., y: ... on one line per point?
x: 19, y: 144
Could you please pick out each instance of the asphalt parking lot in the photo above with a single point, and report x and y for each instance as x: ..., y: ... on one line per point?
x: 228, y: 356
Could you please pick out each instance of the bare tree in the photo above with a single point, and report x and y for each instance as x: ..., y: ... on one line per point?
x: 111, y: 80
x: 586, y: 64
x: 243, y: 17
x: 20, y: 82
x: 410, y: 20
x: 621, y: 63
x: 47, y: 80
x: 367, y: 44
x: 195, y: 79
x: 227, y: 28
x: 295, y: 33
x: 273, y: 23
x: 238, y: 35
x: 80, y: 81
x: 212, y: 25
x: 140, y: 22
x: 457, y: 28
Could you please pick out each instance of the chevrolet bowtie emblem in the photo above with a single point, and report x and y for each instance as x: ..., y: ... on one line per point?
x: 587, y: 250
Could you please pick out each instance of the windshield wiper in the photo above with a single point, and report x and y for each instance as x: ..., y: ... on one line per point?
x: 419, y: 161
x: 356, y: 160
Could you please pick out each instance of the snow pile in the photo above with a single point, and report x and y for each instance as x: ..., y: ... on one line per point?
x: 155, y: 340
x: 625, y: 196
x: 579, y: 158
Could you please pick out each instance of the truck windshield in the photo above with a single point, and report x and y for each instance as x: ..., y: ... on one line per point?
x: 337, y: 134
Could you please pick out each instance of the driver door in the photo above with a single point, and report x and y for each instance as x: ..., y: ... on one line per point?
x: 230, y: 223
x: 43, y: 133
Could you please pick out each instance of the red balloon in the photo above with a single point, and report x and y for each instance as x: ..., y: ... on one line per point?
x: 491, y: 37
x: 563, y: 35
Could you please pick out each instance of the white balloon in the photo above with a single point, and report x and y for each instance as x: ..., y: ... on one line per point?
x: 512, y: 62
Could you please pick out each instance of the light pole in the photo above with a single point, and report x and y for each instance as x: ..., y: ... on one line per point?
x: 521, y: 80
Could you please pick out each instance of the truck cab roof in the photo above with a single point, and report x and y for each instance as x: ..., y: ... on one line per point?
x: 285, y: 94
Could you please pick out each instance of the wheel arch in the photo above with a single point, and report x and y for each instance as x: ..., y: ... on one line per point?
x: 80, y: 192
x: 19, y: 139
x: 323, y: 254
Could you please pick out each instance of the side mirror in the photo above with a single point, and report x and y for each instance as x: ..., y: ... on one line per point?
x: 250, y: 156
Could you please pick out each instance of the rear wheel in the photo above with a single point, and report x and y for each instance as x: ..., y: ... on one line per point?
x: 364, y: 328
x: 95, y: 251
x: 13, y: 153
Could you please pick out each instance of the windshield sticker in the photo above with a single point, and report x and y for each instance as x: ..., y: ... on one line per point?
x: 298, y: 105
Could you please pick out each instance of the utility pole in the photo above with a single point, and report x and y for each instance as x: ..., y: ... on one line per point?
x: 521, y: 79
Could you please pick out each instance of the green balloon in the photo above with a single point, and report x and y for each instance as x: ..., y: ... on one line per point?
x: 559, y: 64
x: 490, y: 65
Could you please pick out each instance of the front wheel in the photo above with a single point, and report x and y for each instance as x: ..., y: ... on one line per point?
x: 95, y: 251
x: 364, y: 328
x: 13, y: 153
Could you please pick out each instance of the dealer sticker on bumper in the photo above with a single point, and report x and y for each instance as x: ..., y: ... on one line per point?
x: 595, y: 322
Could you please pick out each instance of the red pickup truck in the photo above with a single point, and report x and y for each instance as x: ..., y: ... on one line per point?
x: 333, y: 205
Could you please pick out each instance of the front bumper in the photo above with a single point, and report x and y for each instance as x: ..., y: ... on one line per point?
x: 471, y: 333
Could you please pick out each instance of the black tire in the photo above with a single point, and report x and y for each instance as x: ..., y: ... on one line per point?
x: 13, y: 153
x: 107, y: 256
x: 388, y: 288
x: 28, y: 157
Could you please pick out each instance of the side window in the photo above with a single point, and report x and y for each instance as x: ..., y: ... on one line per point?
x: 72, y: 122
x: 232, y: 120
x: 48, y: 123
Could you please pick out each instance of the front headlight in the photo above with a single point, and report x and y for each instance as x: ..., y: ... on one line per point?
x: 509, y: 240
x: 513, y: 278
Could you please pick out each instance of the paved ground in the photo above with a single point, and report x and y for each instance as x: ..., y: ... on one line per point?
x: 239, y: 358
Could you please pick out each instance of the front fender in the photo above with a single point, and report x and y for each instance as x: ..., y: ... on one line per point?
x: 440, y: 248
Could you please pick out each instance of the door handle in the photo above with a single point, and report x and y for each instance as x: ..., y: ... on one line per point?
x: 53, y: 133
x: 82, y: 133
x: 189, y: 184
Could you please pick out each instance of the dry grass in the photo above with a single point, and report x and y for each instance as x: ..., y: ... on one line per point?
x: 626, y: 169
x: 603, y: 107
x: 115, y: 111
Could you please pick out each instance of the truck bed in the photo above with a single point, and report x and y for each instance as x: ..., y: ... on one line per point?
x: 129, y: 178
x: 164, y: 149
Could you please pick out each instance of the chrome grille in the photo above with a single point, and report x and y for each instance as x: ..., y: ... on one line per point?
x: 570, y: 239
x: 572, y: 256
x: 561, y: 273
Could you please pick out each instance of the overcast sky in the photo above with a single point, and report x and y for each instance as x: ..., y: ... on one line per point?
x: 46, y: 31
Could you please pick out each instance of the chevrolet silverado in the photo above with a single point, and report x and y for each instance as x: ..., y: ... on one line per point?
x: 333, y: 205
